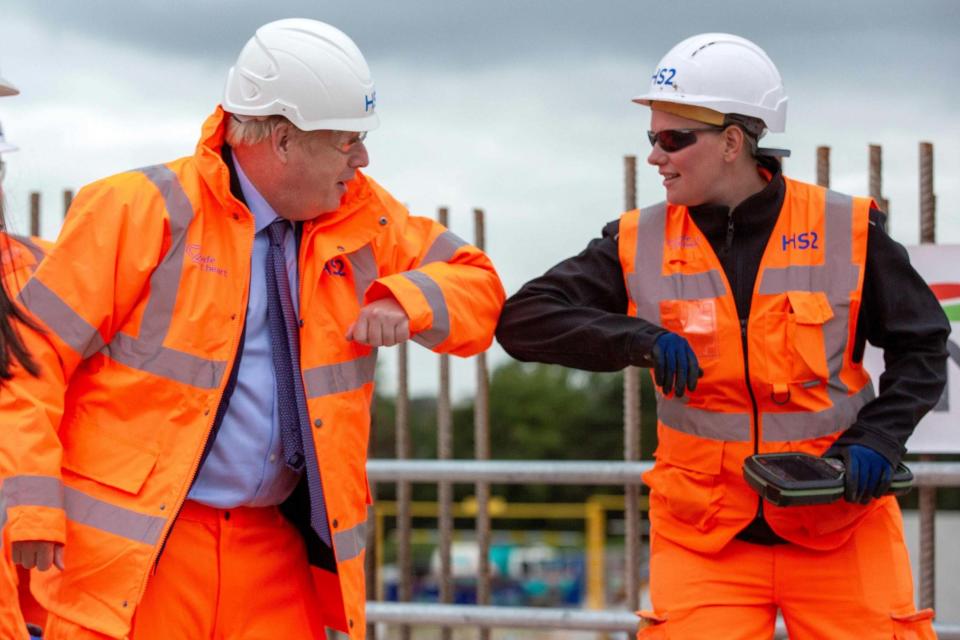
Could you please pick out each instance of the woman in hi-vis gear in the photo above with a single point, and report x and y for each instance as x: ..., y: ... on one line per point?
x: 751, y: 295
x: 18, y: 258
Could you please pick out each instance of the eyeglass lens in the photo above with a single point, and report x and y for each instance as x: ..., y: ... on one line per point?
x: 671, y: 140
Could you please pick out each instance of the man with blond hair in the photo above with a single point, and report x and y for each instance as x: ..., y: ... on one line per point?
x: 192, y: 460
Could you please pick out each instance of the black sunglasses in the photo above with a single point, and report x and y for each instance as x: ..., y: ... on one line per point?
x: 671, y: 140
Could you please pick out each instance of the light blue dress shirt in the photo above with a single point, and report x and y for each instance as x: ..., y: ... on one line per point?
x: 245, y: 466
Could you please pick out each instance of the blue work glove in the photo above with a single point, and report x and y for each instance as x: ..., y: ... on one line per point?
x: 867, y: 474
x: 675, y: 365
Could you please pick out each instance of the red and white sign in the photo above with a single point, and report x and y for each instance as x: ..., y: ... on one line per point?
x: 939, y: 431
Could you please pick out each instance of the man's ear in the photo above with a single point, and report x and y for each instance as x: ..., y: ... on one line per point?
x: 280, y: 140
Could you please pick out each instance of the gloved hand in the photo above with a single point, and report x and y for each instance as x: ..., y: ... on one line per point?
x: 867, y: 473
x: 675, y: 365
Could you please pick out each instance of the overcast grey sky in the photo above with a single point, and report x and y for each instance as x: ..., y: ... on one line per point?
x: 521, y: 108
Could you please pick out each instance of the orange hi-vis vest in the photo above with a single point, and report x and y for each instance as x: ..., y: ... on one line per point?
x: 782, y: 380
x: 142, y: 304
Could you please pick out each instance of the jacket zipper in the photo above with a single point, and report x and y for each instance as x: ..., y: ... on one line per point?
x: 746, y: 358
x: 728, y: 244
x: 753, y: 402
x: 746, y: 352
x: 195, y: 467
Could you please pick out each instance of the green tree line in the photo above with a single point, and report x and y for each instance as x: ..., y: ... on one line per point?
x: 538, y: 412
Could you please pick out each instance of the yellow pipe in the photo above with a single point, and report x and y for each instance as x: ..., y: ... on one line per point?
x: 596, y: 538
x: 593, y: 512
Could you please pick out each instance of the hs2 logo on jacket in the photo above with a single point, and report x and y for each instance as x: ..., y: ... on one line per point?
x: 801, y: 241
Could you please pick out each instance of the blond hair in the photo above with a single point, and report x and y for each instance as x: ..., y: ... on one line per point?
x: 250, y: 130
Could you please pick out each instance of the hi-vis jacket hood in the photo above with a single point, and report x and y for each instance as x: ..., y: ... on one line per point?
x: 142, y: 303
x: 783, y: 379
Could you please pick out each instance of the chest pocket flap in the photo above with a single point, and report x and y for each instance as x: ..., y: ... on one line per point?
x: 809, y: 311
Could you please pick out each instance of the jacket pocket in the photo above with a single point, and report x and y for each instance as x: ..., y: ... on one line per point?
x: 913, y: 626
x: 102, y: 456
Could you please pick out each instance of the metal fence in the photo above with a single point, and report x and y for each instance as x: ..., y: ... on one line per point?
x: 482, y: 472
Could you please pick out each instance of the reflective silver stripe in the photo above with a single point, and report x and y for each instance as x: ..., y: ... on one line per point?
x: 165, y: 280
x: 350, y: 543
x: 364, y: 266
x: 836, y: 277
x: 28, y: 243
x: 440, y: 329
x: 89, y: 511
x: 146, y: 352
x: 796, y: 278
x: 443, y: 247
x: 804, y: 425
x: 732, y: 427
x: 166, y: 362
x: 692, y: 286
x: 44, y: 491
x: 340, y: 377
x: 57, y: 315
x: 33, y: 491
x: 643, y: 285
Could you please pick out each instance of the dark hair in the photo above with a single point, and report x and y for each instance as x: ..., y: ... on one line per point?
x: 12, y: 347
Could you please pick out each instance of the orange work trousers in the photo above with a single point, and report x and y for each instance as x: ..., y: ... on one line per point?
x: 224, y: 575
x: 861, y: 591
x: 12, y: 624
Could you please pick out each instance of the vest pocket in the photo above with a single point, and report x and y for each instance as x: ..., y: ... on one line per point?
x: 793, y: 339
x: 686, y: 475
x: 695, y: 320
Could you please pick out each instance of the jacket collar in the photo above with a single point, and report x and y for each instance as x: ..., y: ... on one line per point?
x: 354, y: 223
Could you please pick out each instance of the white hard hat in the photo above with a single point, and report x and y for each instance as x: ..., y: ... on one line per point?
x: 724, y: 73
x: 306, y: 70
x: 6, y: 88
x: 5, y: 147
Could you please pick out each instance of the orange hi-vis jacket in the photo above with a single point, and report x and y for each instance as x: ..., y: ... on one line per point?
x: 782, y: 380
x: 19, y: 257
x: 142, y: 302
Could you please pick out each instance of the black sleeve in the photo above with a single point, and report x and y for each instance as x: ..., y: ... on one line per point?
x: 575, y: 314
x: 899, y: 314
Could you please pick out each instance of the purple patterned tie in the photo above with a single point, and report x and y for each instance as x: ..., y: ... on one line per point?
x: 295, y: 438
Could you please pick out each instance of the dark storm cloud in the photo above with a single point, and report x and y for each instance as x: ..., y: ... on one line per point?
x: 439, y: 33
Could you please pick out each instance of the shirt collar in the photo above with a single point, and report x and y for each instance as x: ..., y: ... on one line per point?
x: 263, y: 213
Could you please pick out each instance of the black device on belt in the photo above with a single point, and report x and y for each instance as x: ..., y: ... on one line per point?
x: 788, y: 479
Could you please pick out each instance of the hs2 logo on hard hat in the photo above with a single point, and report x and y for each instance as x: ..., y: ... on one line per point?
x: 801, y: 241
x: 664, y: 76
x: 370, y: 102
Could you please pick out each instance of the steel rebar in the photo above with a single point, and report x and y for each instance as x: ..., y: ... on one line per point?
x: 404, y: 495
x: 481, y: 436
x: 631, y: 432
x: 823, y: 166
x: 444, y: 488
x: 34, y: 213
